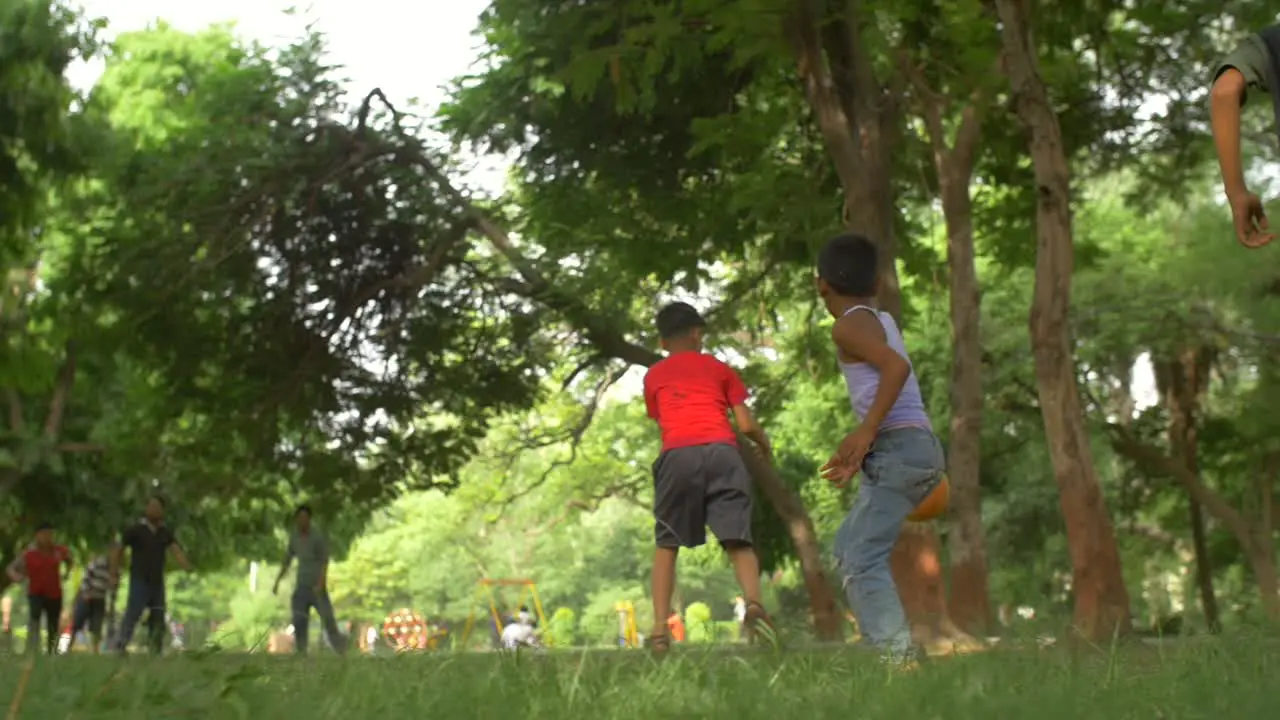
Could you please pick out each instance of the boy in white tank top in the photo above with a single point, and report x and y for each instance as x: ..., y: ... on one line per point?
x: 894, y: 446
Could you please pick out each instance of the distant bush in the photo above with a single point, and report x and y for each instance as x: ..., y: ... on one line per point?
x: 698, y: 624
x: 562, y: 628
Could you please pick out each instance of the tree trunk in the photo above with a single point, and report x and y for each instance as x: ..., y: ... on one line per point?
x: 858, y: 118
x: 611, y: 343
x: 970, y: 605
x: 827, y: 623
x: 1262, y: 560
x: 1204, y: 567
x: 1182, y: 381
x: 1101, y: 598
x: 1254, y: 535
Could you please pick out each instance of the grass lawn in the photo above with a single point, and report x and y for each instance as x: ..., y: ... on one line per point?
x: 1228, y: 677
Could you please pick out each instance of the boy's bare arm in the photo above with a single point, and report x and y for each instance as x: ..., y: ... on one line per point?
x: 1247, y: 214
x: 747, y: 425
x: 1226, y: 98
x: 861, y: 336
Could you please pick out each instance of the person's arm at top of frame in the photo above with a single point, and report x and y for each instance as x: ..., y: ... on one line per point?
x: 860, y: 337
x: 1242, y: 69
x: 736, y: 393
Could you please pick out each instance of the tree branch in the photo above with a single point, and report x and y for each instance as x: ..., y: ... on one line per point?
x: 574, y: 438
x: 61, y: 391
x: 1158, y: 462
x: 17, y: 425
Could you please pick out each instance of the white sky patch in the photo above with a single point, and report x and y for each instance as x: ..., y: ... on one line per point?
x: 410, y: 50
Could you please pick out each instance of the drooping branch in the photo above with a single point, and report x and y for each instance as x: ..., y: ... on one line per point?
x: 1156, y: 461
x: 573, y: 436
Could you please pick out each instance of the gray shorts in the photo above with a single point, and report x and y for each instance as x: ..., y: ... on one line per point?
x: 699, y: 486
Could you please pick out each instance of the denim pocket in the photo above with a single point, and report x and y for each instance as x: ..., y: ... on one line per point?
x: 907, y: 460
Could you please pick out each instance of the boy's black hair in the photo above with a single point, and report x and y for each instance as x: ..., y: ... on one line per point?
x: 677, y: 319
x: 160, y: 499
x: 44, y: 526
x: 302, y: 509
x: 849, y: 263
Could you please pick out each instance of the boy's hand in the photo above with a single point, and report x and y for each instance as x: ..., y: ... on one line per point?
x: 848, y: 458
x: 837, y: 472
x: 1252, y: 227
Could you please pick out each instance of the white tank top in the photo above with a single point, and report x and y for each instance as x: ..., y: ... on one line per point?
x: 863, y: 381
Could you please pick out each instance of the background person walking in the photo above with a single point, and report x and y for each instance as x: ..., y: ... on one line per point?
x: 311, y: 549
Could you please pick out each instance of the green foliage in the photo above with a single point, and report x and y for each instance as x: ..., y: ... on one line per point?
x: 562, y: 628
x: 41, y: 139
x: 698, y: 625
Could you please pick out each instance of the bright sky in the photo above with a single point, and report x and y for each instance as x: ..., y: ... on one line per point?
x: 408, y: 49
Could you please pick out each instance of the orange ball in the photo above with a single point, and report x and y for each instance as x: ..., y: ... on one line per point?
x: 935, y: 504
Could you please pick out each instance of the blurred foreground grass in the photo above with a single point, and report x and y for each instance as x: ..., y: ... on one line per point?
x: 1221, y: 677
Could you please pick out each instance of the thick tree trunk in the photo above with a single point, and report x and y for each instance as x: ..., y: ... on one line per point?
x: 610, y: 342
x: 1101, y: 598
x: 970, y: 604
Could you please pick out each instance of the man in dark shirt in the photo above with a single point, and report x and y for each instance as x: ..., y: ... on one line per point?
x: 149, y: 542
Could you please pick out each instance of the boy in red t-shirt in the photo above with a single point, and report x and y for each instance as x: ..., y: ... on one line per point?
x: 40, y: 565
x: 700, y: 479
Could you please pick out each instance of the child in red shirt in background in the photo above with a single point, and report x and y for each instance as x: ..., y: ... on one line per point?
x: 40, y: 565
x: 699, y: 479
x: 675, y: 626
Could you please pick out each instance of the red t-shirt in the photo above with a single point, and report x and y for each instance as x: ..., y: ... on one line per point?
x: 44, y: 571
x: 690, y: 394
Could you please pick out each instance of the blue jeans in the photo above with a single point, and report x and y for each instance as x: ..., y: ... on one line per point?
x: 143, y: 596
x: 902, y: 468
x: 304, y: 598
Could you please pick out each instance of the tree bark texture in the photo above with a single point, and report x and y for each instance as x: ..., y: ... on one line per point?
x: 1182, y: 382
x: 858, y: 117
x: 1101, y: 598
x: 953, y: 161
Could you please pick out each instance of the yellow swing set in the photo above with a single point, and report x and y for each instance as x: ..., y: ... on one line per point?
x: 485, y: 595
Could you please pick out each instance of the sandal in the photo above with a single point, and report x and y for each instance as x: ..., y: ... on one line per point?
x: 659, y: 644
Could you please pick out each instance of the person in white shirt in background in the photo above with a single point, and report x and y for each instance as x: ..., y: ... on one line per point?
x: 525, y: 616
x: 519, y: 633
